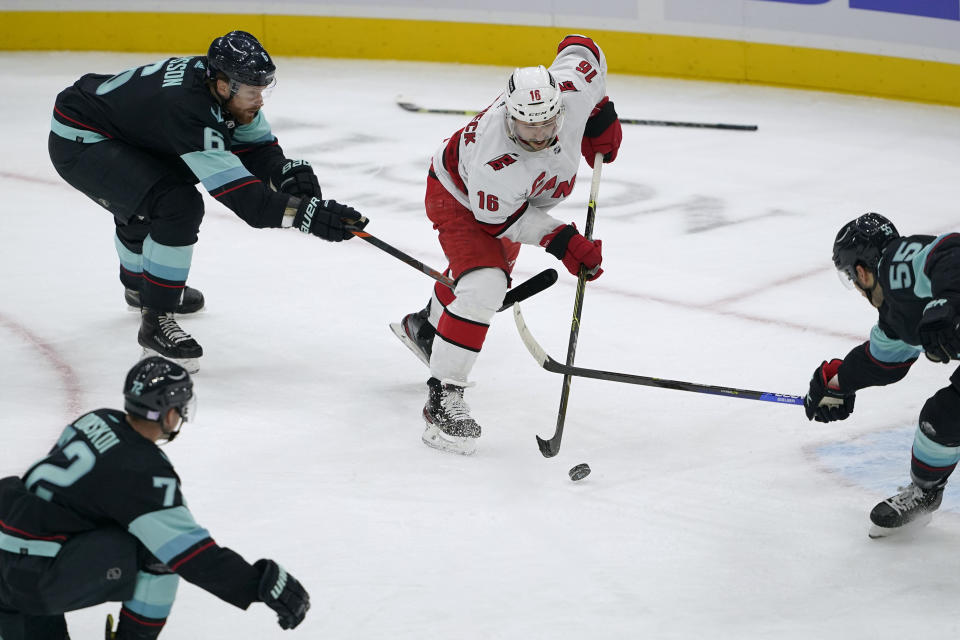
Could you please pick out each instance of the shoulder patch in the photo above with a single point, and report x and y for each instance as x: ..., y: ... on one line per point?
x: 503, y: 161
x: 582, y: 41
x: 567, y: 85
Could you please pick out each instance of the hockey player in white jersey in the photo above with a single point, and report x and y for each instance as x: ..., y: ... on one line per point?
x: 490, y: 188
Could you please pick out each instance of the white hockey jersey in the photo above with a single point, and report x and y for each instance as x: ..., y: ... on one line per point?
x: 509, y: 188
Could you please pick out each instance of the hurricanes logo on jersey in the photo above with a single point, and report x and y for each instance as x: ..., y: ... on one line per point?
x: 503, y: 161
x: 562, y: 189
x: 567, y: 85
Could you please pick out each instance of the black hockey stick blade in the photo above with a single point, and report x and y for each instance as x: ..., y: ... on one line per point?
x: 544, y: 360
x: 529, y: 287
x: 522, y: 291
x: 409, y: 106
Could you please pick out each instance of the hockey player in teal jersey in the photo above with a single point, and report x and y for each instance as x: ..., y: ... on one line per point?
x: 914, y: 283
x: 138, y: 142
x: 102, y: 519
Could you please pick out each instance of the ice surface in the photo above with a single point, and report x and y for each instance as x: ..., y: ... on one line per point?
x: 704, y: 517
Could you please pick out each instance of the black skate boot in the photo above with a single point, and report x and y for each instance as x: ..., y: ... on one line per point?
x: 449, y: 425
x: 912, y: 508
x: 416, y: 332
x: 191, y: 300
x: 161, y: 335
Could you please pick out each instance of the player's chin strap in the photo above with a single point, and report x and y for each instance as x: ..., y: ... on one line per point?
x: 170, y: 435
x: 869, y: 291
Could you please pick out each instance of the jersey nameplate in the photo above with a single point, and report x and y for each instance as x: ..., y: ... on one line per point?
x: 98, y: 432
x: 173, y: 76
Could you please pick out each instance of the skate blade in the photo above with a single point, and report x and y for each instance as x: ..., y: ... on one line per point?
x: 435, y: 438
x: 192, y: 365
x: 133, y: 309
x: 913, y: 526
x: 398, y: 331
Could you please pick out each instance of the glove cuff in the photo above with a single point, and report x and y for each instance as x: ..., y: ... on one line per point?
x: 828, y: 370
x: 599, y: 123
x: 557, y: 246
x: 273, y: 578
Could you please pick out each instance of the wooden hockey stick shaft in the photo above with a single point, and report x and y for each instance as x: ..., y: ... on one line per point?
x: 551, y: 447
x: 409, y: 106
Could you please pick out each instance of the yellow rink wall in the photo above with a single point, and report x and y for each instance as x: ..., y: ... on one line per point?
x: 495, y: 44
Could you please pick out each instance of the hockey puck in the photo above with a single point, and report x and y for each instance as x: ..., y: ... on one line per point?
x: 579, y: 472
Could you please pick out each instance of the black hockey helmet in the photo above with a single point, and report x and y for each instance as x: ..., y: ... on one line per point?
x: 155, y: 385
x: 861, y: 242
x: 240, y: 56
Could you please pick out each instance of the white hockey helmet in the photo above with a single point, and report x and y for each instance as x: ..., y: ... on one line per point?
x: 533, y: 100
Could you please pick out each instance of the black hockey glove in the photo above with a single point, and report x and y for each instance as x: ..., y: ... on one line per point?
x: 825, y: 403
x: 296, y: 177
x: 283, y: 593
x: 328, y: 219
x: 939, y: 331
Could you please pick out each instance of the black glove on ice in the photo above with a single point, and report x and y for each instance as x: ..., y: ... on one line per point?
x: 328, y: 219
x: 283, y: 593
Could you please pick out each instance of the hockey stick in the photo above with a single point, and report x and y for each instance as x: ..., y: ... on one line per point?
x: 531, y: 286
x: 403, y: 257
x: 548, y: 363
x: 409, y: 106
x: 551, y: 447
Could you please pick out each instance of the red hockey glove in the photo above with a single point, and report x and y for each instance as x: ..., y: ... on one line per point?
x: 826, y: 403
x: 567, y: 244
x: 603, y: 133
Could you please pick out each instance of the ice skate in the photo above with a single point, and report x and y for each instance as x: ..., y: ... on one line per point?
x: 910, y: 509
x: 161, y: 335
x: 191, y: 300
x: 449, y: 425
x: 416, y: 332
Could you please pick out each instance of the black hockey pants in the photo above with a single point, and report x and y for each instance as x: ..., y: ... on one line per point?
x: 147, y: 194
x: 92, y: 568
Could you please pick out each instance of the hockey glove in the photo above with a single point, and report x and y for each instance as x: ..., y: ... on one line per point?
x: 603, y: 133
x: 826, y: 402
x: 296, y: 177
x: 939, y: 331
x: 328, y: 219
x: 567, y: 244
x: 283, y: 593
